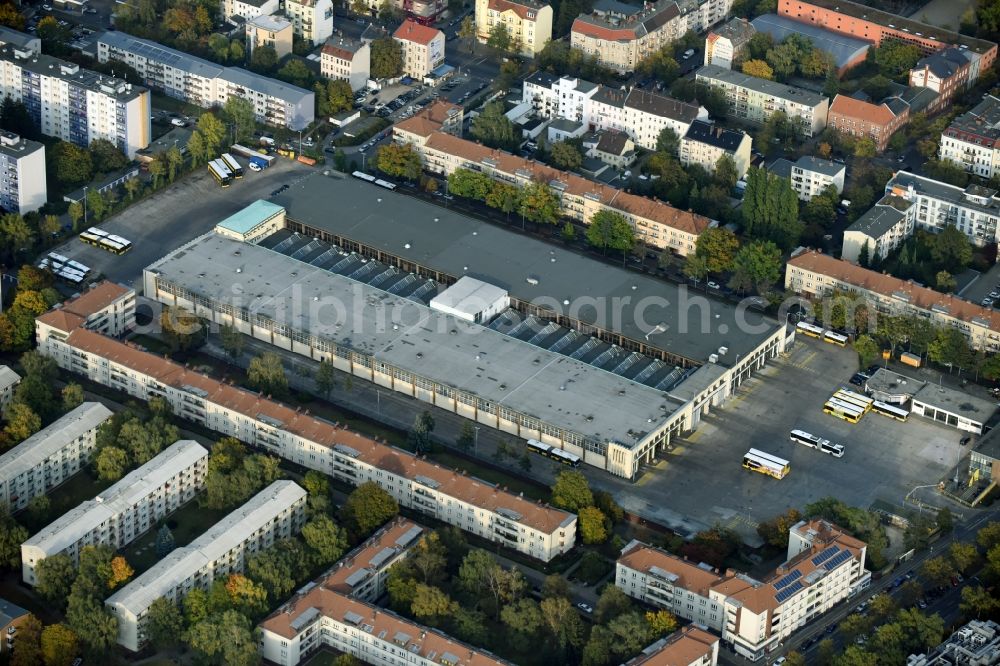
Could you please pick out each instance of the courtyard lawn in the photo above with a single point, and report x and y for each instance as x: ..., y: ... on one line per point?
x: 187, y: 524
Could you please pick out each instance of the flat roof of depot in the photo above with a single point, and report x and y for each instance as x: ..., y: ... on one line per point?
x: 444, y: 240
x: 498, y: 368
x: 245, y: 219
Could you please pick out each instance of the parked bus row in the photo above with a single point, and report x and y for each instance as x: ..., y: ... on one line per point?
x: 554, y: 452
x: 105, y: 241
x: 820, y: 333
x: 892, y: 411
x: 812, y: 441
x: 66, y: 269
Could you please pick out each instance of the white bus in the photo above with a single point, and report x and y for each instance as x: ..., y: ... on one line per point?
x: 230, y: 162
x: 850, y: 406
x: 807, y: 439
x: 553, y: 452
x: 842, y: 410
x: 90, y: 238
x: 835, y: 338
x: 97, y: 232
x: 891, y: 411
x: 852, y: 398
x: 835, y: 450
x: 811, y: 330
x: 78, y: 267
x: 764, y: 463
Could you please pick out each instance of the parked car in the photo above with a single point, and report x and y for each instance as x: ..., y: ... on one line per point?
x: 688, y: 54
x: 711, y: 285
x: 47, y: 8
x: 586, y: 608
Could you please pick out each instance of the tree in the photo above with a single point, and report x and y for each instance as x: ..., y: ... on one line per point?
x: 71, y: 164
x: 54, y: 575
x: 164, y: 624
x: 770, y: 209
x: 757, y: 265
x: 718, y: 247
x: 60, y: 645
x: 28, y: 651
x: 593, y: 525
x: 988, y: 535
x: 853, y: 626
x: 493, y: 128
x: 868, y: 350
x: 726, y: 174
x: 571, y: 491
x: 12, y: 535
x: 96, y: 626
x: 978, y: 601
x: 950, y: 347
x: 121, y: 571
x: 894, y: 57
x: 419, y: 436
x: 339, y: 97
x: 524, y: 619
x: 326, y: 539
x: 937, y: 571
x: 631, y: 633
x: 597, y: 651
x: 610, y: 229
x: 164, y: 541
x: 882, y: 607
x: 106, y: 157
x: 500, y: 38
x: 241, y: 114
x: 865, y: 147
x: 264, y: 59
x: 367, y: 508
x: 267, y: 374
x: 111, y: 463
x: 225, y: 638
x: 563, y: 622
x: 667, y: 142
x: 232, y: 341
x: 182, y: 330
x: 539, y: 204
x: 774, y: 532
x: 431, y: 604
x: 72, y: 396
x: 386, y: 58
x: 661, y: 622
x: 963, y: 555
x: 399, y: 159
x: 951, y: 249
x: 467, y: 438
x: 22, y: 422
x: 612, y: 603
x: 945, y: 521
x: 695, y: 267
x: 758, y: 68
x: 212, y: 130
x: 566, y: 155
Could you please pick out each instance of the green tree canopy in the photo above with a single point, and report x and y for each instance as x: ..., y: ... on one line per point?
x: 610, y: 229
x: 571, y: 491
x: 367, y: 508
x: 494, y: 129
x: 386, y: 58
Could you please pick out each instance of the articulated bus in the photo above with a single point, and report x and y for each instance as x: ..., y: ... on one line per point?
x: 891, y: 411
x: 220, y: 172
x: 555, y: 453
x: 835, y: 450
x: 835, y: 400
x: 765, y: 463
x: 835, y: 338
x: 806, y: 439
x: 115, y: 244
x: 90, y: 238
x: 811, y: 330
x: 842, y: 410
x: 852, y: 398
x: 230, y: 162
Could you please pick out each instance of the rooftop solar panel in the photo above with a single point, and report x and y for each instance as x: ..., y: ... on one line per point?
x: 841, y: 557
x: 787, y: 579
x: 788, y: 591
x: 825, y: 555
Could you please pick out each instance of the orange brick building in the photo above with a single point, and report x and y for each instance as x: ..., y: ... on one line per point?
x: 864, y: 119
x: 856, y: 20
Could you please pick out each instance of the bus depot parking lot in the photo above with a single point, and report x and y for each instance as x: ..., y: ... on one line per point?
x: 173, y: 216
x: 703, y: 476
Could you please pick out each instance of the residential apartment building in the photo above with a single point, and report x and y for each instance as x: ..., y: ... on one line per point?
x: 972, y: 141
x: 705, y: 144
x: 823, y: 567
x: 322, y: 617
x: 812, y: 175
x: 973, y: 210
x: 275, y: 513
x: 348, y: 60
x: 273, y: 31
x: 473, y: 505
x: 12, y: 617
x: 873, y: 25
x: 74, y: 104
x: 700, y: 15
x: 425, y: 12
x: 755, y: 100
x: 867, y: 120
x: 106, y: 308
x: 8, y: 382
x: 21, y: 41
x: 125, y: 511
x: 655, y: 223
x: 50, y: 456
x: 883, y: 228
x: 813, y: 274
x: 945, y: 72
x: 528, y: 22
x: 975, y: 644
x: 641, y: 114
x: 22, y: 174
x: 690, y: 646
x: 442, y: 116
x: 312, y: 20
x: 725, y: 45
x: 206, y: 84
x: 619, y: 36
x: 423, y: 48
x: 248, y: 9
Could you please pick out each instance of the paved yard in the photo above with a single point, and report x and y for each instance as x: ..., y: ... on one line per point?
x: 703, y: 477
x: 173, y: 216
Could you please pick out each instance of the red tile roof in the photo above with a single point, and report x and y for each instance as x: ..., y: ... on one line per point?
x: 388, y: 626
x: 887, y: 285
x: 687, y: 646
x: 362, y: 556
x: 879, y: 114
x: 643, y: 207
x: 450, y: 482
x: 95, y: 299
x: 692, y: 577
x: 412, y: 31
x: 429, y: 120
